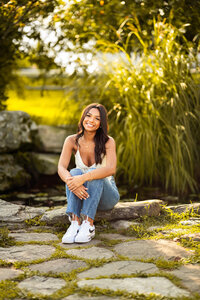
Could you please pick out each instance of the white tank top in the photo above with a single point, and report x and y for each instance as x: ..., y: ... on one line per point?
x: 80, y: 164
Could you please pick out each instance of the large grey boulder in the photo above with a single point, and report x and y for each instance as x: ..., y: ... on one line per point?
x: 16, y: 130
x: 11, y: 174
x: 45, y: 163
x: 121, y: 211
x: 51, y: 138
x: 131, y: 210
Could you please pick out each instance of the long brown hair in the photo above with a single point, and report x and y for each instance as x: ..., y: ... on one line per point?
x: 101, y: 136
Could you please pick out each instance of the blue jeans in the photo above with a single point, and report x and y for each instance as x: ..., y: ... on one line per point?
x: 103, y: 195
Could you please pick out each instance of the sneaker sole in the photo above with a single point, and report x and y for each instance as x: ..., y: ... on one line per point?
x: 84, y: 241
x: 68, y: 242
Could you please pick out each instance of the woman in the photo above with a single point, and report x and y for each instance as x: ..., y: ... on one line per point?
x: 90, y: 186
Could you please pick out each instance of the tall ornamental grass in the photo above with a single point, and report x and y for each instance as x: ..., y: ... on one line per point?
x: 154, y: 109
x: 155, y: 117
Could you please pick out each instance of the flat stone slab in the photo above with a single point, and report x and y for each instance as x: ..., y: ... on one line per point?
x: 7, y: 273
x: 122, y: 224
x: 12, y: 214
x: 119, y: 268
x: 114, y: 236
x: 195, y: 207
x: 91, y: 253
x: 121, y: 211
x: 190, y: 276
x: 42, y: 285
x: 33, y: 236
x: 157, y: 285
x: 151, y: 248
x: 58, y: 265
x: 26, y: 252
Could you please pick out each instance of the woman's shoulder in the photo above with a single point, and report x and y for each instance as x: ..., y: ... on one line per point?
x: 110, y: 141
x: 71, y: 140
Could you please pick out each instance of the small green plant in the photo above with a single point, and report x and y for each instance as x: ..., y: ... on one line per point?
x: 5, y: 239
x: 138, y: 231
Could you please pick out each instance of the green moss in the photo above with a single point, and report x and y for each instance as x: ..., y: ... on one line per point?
x: 109, y: 243
x: 67, y: 290
x: 35, y: 222
x: 8, y: 290
x: 21, y: 264
x: 5, y: 239
x: 168, y: 265
x: 4, y: 263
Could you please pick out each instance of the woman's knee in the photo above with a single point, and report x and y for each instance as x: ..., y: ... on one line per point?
x: 95, y: 184
x: 76, y: 171
x: 103, y: 206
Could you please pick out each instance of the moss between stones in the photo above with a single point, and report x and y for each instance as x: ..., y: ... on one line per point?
x: 8, y: 290
x: 35, y: 222
x: 5, y: 239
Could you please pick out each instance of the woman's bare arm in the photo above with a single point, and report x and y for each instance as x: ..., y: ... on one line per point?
x: 65, y: 158
x: 80, y: 191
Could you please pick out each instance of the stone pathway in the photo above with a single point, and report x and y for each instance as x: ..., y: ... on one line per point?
x: 114, y: 265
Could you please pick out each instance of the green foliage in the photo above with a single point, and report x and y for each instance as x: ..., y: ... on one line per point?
x: 88, y: 19
x: 153, y: 103
x: 157, y: 115
x: 17, y: 21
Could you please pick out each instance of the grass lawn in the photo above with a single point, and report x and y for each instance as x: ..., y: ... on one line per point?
x: 54, y: 108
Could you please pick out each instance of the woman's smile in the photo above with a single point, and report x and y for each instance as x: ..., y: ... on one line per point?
x: 92, y: 119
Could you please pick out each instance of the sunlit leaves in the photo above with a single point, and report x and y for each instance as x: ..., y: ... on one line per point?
x: 16, y: 17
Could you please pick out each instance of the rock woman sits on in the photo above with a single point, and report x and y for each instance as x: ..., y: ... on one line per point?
x: 89, y: 186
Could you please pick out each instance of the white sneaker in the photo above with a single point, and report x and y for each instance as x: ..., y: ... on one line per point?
x: 86, y: 233
x: 69, y: 236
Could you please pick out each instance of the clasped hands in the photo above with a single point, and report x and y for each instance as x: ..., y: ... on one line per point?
x: 75, y: 185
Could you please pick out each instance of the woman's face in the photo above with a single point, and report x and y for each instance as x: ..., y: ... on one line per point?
x: 92, y: 120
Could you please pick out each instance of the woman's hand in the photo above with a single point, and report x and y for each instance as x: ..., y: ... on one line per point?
x: 74, y: 182
x: 81, y: 192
